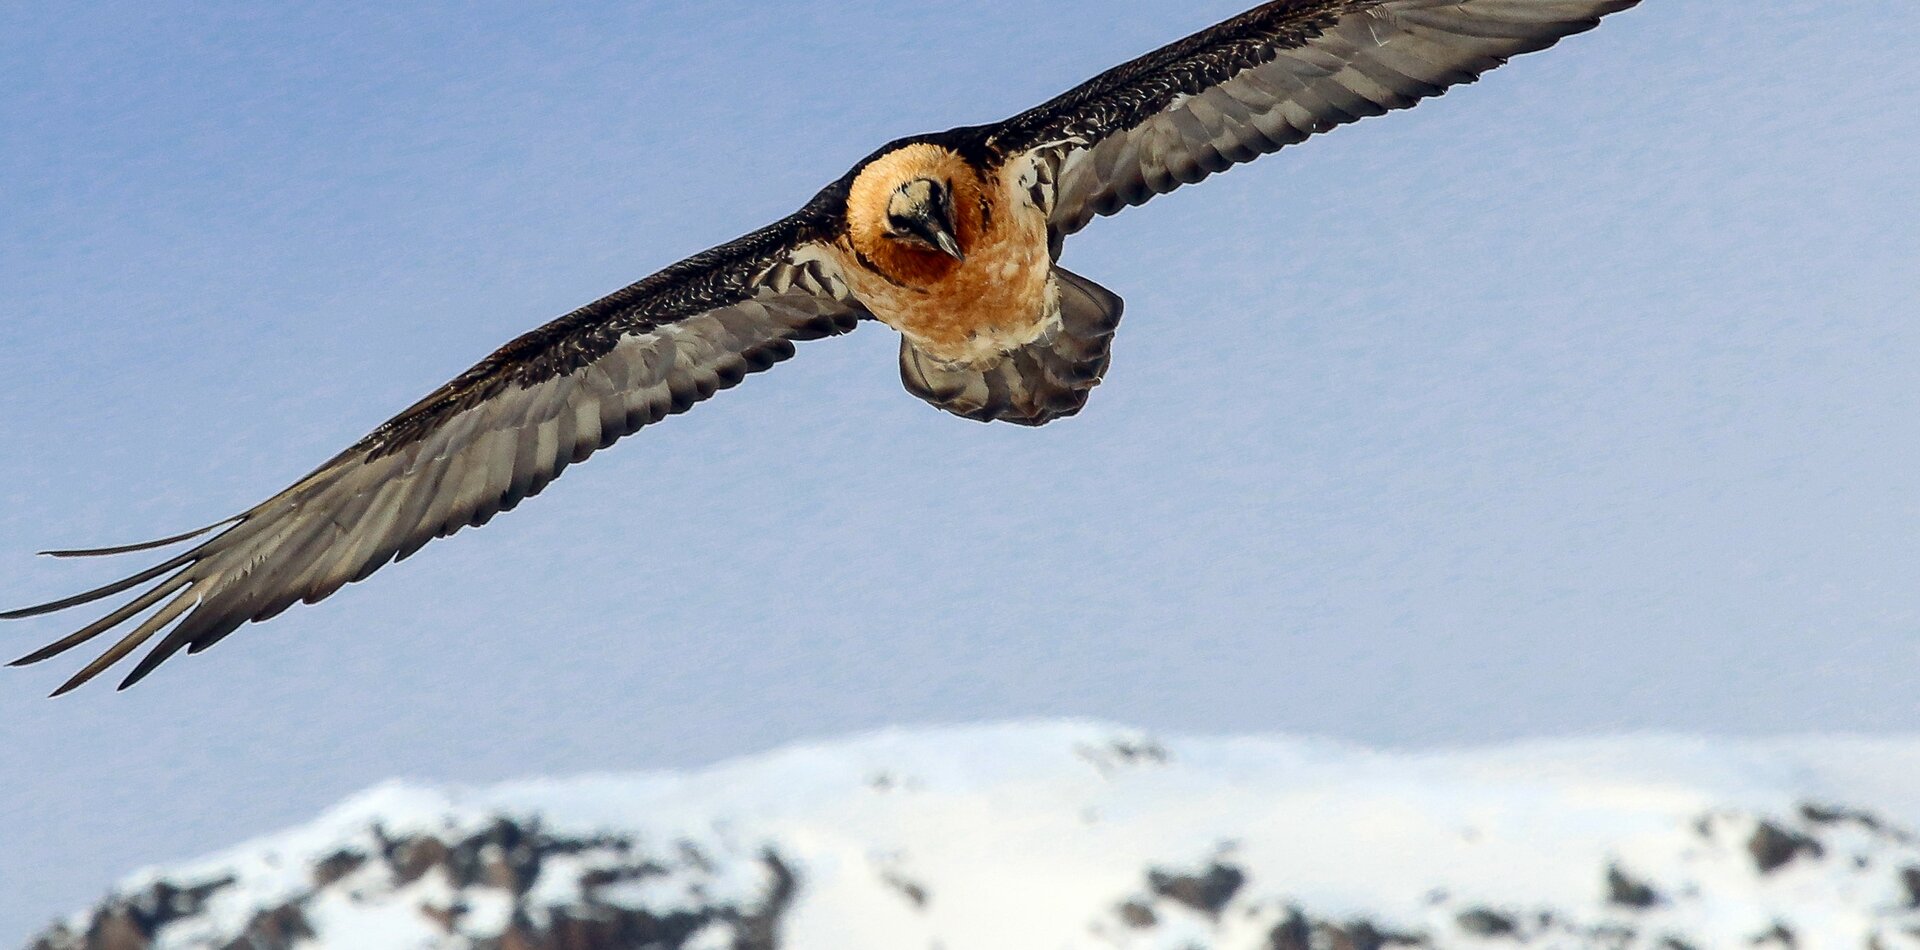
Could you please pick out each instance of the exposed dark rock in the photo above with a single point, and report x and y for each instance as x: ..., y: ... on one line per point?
x: 912, y: 891
x: 130, y: 922
x: 694, y: 858
x: 1124, y: 754
x: 505, y: 855
x: 597, y: 878
x: 1298, y: 931
x: 58, y: 937
x: 117, y: 930
x: 1910, y: 882
x: 1482, y: 922
x: 1207, y: 892
x: 336, y: 866
x: 1363, y: 935
x: 1774, y: 847
x: 448, y: 918
x: 1291, y: 933
x: 1628, y: 892
x: 1779, y: 936
x: 411, y: 858
x: 1138, y: 915
x: 1612, y: 936
x: 1819, y: 814
x: 761, y: 930
x: 277, y: 929
x: 597, y: 927
x: 1148, y: 752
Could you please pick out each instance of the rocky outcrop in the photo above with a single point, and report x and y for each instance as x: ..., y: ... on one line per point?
x: 1858, y: 858
x: 474, y: 890
x: 1057, y: 837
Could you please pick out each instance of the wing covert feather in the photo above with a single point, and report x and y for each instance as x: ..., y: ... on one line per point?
x: 1264, y: 80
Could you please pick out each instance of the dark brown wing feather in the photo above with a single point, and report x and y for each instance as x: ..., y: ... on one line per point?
x: 482, y: 443
x: 1266, y: 79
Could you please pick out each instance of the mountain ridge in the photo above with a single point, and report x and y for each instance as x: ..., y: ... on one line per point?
x: 1085, y: 834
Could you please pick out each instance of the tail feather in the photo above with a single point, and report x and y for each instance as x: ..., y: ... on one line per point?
x: 1036, y: 384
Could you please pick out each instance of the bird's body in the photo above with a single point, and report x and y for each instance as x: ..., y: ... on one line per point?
x: 952, y: 239
x: 999, y: 298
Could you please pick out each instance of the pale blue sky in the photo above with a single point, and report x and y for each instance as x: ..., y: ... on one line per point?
x: 1580, y: 401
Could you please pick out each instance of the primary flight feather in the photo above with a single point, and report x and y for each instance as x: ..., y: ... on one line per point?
x: 951, y: 239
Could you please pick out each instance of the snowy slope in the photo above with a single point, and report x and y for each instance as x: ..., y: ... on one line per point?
x: 1066, y: 835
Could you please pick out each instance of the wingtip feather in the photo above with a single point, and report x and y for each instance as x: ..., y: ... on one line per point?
x: 158, y: 655
x: 117, y: 587
x: 136, y: 676
x: 130, y: 642
x: 142, y: 546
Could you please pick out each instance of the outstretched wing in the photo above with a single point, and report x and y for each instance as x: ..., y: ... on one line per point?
x: 1264, y: 80
x: 482, y: 443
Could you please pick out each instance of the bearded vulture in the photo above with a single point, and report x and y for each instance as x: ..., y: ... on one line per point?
x: 950, y: 239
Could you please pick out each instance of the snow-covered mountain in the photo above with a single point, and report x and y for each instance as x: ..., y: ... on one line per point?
x: 1067, y: 835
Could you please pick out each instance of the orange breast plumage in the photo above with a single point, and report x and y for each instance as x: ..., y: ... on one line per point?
x: 999, y: 299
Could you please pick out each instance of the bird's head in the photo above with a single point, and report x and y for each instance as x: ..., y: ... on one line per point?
x: 920, y: 213
x: 915, y: 212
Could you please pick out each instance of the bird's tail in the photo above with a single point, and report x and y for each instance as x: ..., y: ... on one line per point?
x: 1045, y: 380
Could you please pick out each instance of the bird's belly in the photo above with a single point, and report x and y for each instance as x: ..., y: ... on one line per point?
x: 1000, y: 299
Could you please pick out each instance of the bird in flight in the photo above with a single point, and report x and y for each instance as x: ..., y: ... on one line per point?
x: 952, y: 239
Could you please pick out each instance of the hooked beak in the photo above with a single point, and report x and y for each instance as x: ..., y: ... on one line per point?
x: 948, y: 245
x: 933, y: 227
